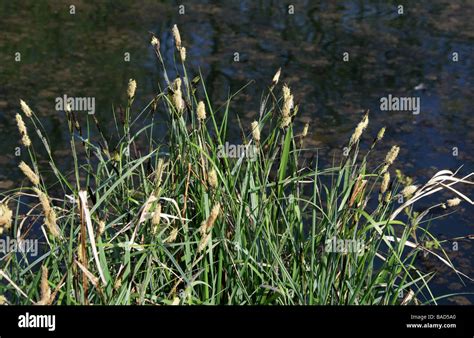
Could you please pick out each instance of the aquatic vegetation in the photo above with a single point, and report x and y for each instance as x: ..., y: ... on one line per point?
x: 144, y: 219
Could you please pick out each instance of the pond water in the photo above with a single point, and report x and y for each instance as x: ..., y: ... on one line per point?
x: 408, y: 55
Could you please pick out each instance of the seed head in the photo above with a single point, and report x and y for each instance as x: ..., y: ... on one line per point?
x: 212, y: 178
x: 132, y: 87
x: 385, y: 182
x: 155, y: 42
x: 453, y: 202
x: 409, y: 190
x: 20, y: 124
x: 381, y: 134
x: 255, y: 131
x: 44, y: 287
x: 182, y: 53
x: 287, y: 102
x: 276, y: 77
x: 25, y: 108
x: 212, y: 217
x: 80, y: 253
x: 23, y: 132
x: 203, y: 242
x: 305, y: 130
x: 178, y: 101
x: 156, y: 215
x: 118, y: 283
x: 28, y: 172
x: 101, y: 228
x: 206, y: 227
x: 392, y: 155
x: 49, y: 213
x: 5, y: 217
x: 285, y: 121
x: 201, y: 111
x: 173, y: 235
x: 176, y: 85
x: 359, y: 129
x: 176, y: 36
x: 155, y: 221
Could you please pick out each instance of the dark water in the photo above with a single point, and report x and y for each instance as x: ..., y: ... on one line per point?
x: 83, y: 55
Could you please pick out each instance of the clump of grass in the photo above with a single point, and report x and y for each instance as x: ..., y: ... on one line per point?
x: 141, y: 219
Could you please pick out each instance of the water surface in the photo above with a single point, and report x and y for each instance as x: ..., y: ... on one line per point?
x: 83, y: 55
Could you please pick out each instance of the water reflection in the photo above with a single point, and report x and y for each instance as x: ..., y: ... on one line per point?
x: 85, y: 55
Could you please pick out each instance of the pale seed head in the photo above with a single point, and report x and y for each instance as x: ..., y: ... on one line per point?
x: 178, y: 101
x: 285, y: 121
x: 49, y: 213
x: 453, y: 202
x: 207, y: 225
x: 359, y: 129
x: 287, y: 102
x: 409, y: 190
x: 101, y: 227
x: 25, y: 108
x: 203, y: 242
x: 305, y: 130
x: 385, y: 182
x: 118, y: 283
x: 43, y: 200
x: 25, y: 140
x: 255, y: 131
x: 155, y: 221
x: 203, y: 228
x: 23, y: 132
x: 176, y: 84
x: 132, y: 87
x: 156, y: 215
x: 20, y: 124
x: 155, y: 42
x: 381, y: 134
x: 44, y: 287
x: 80, y: 253
x: 276, y: 77
x: 176, y: 36
x: 182, y: 53
x: 5, y: 216
x: 201, y: 111
x: 392, y: 155
x: 29, y: 173
x: 212, y: 217
x: 286, y: 92
x: 173, y: 235
x: 212, y: 178
x: 384, y: 168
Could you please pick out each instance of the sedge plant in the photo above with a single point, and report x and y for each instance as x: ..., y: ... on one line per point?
x: 138, y: 218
